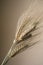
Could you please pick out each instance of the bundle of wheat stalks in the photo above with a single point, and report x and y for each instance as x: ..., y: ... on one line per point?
x: 28, y: 24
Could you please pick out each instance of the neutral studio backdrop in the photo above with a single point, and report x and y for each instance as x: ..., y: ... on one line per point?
x: 11, y: 10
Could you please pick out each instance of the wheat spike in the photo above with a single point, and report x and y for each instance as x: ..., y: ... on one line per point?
x: 27, y: 26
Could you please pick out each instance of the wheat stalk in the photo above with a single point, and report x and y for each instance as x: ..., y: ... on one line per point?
x: 25, y: 32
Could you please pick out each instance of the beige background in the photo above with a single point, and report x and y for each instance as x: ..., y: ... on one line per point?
x: 11, y: 10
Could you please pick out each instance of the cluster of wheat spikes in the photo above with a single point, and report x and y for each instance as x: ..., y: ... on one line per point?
x: 27, y: 26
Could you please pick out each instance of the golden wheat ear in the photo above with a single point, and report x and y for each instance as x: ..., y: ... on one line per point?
x: 25, y: 33
x: 26, y: 30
